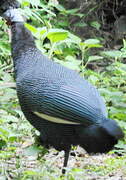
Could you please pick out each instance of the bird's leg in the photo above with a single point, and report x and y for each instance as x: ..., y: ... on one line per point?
x: 66, y: 157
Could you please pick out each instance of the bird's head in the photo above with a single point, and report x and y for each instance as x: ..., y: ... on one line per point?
x: 9, y: 11
x: 8, y: 4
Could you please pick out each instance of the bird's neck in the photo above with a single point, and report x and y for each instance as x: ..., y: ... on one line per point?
x: 22, y: 39
x: 23, y: 45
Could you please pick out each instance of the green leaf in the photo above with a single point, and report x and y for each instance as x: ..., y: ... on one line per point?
x: 32, y: 150
x: 91, y: 41
x: 12, y: 137
x: 31, y: 28
x: 4, y: 131
x: 113, y: 53
x: 59, y: 7
x: 94, y: 58
x: 80, y: 24
x: 33, y: 2
x: 30, y: 173
x: 93, y: 79
x: 74, y: 38
x: 42, y: 30
x: 72, y: 11
x: 56, y: 35
x: 95, y: 24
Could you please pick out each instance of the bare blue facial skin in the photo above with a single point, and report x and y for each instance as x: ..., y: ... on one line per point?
x: 13, y: 15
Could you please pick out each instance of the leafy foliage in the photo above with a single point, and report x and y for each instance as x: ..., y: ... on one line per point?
x: 55, y: 40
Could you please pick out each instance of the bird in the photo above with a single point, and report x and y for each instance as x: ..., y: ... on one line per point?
x: 63, y: 106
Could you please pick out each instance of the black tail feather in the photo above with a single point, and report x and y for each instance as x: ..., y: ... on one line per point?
x: 100, y: 138
x: 113, y: 129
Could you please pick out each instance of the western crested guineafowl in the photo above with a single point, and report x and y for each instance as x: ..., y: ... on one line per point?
x: 64, y: 107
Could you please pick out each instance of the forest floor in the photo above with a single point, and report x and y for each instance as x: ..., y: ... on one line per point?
x: 27, y: 163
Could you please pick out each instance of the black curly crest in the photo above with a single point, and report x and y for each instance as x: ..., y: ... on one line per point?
x: 8, y: 4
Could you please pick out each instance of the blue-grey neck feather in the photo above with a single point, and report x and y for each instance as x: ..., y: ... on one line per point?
x: 22, y: 40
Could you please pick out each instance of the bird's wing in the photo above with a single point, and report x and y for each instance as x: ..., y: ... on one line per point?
x: 100, y: 99
x: 71, y: 106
